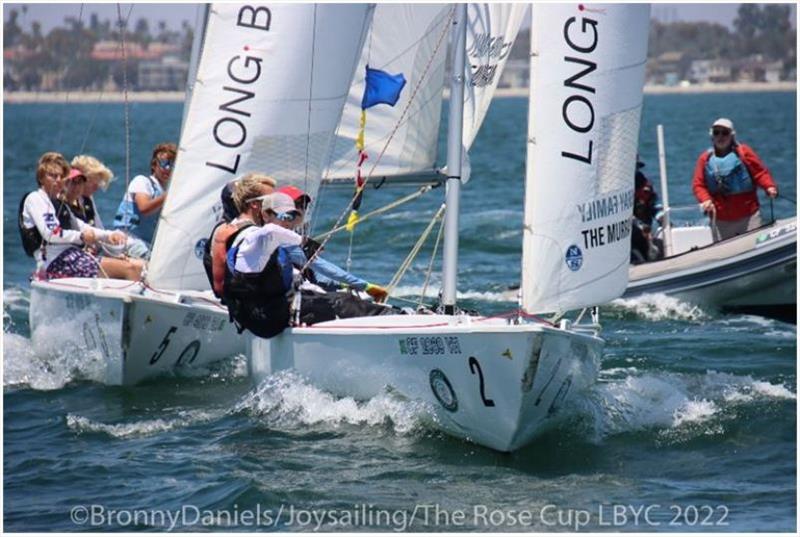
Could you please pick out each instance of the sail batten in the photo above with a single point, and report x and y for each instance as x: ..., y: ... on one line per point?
x: 587, y: 73
x: 271, y: 84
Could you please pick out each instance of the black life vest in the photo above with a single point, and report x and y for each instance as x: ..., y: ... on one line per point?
x: 85, y: 210
x: 31, y: 238
x: 258, y: 301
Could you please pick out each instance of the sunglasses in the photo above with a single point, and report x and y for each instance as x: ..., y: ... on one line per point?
x: 720, y: 132
x: 165, y: 164
x: 287, y: 217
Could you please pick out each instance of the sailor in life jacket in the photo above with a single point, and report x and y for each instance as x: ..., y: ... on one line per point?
x: 140, y: 207
x: 241, y: 208
x: 646, y: 212
x: 725, y: 180
x: 262, y: 266
x: 55, y: 237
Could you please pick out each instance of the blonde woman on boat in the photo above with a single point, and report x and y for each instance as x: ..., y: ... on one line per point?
x: 97, y: 176
x: 53, y: 236
x: 245, y: 194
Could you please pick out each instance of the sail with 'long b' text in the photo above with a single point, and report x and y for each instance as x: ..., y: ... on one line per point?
x: 270, y: 88
x: 587, y: 73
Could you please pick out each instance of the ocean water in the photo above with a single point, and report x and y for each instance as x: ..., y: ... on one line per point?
x: 690, y: 428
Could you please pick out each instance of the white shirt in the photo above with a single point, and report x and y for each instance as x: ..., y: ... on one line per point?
x: 257, y: 244
x: 39, y: 212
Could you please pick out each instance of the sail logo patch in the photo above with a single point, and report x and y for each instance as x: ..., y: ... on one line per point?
x: 200, y: 247
x: 574, y: 258
x: 443, y: 390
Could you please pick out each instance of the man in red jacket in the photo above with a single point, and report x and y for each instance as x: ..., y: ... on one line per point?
x: 725, y: 181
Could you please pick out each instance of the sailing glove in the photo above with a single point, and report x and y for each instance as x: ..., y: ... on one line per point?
x: 378, y: 293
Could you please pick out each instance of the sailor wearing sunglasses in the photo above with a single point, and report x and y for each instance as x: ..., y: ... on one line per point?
x: 138, y: 211
x: 263, y: 264
x: 725, y: 180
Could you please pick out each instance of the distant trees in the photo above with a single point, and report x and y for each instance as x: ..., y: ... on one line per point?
x: 64, y: 55
x: 757, y: 29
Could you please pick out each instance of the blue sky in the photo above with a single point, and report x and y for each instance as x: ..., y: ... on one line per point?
x: 49, y: 14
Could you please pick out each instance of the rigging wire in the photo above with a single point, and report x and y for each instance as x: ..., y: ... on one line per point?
x: 396, y: 203
x: 310, y: 99
x: 445, y: 30
x: 123, y: 23
x: 414, y: 251
x: 430, y: 265
x: 61, y: 122
x: 332, y: 150
x: 99, y: 101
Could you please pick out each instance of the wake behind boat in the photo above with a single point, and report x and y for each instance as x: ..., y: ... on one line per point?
x: 494, y: 381
x: 135, y: 331
x: 754, y: 272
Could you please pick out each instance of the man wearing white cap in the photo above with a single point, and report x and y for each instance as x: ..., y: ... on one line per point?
x: 725, y: 180
x: 259, y: 276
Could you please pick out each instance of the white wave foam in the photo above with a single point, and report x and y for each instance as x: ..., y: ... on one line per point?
x: 660, y: 307
x: 431, y: 293
x: 16, y: 299
x: 766, y: 327
x: 23, y: 367
x: 286, y: 399
x: 679, y: 405
x: 81, y: 424
x: 694, y: 412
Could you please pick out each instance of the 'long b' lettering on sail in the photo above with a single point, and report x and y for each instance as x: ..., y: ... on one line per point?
x: 578, y: 110
x: 229, y: 131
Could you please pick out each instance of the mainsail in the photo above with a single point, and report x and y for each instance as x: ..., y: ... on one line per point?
x: 491, y: 31
x: 412, y: 39
x: 270, y: 89
x: 587, y: 73
x: 402, y: 139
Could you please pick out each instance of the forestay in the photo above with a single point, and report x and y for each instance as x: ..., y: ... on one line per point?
x: 587, y: 73
x: 270, y: 89
x: 491, y: 31
x: 409, y: 39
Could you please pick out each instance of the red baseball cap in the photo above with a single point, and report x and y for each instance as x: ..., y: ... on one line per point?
x: 296, y: 194
x: 74, y: 173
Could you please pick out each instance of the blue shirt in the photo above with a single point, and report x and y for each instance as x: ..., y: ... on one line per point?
x: 128, y: 217
x: 327, y: 274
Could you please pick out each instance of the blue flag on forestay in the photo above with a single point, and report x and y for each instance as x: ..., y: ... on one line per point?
x: 381, y: 88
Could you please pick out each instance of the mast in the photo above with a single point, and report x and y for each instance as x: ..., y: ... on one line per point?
x: 662, y: 169
x: 454, y: 150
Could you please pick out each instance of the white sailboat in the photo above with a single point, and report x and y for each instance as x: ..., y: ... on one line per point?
x: 495, y: 381
x: 248, y: 71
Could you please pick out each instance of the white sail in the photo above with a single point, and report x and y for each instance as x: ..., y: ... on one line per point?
x: 404, y: 38
x: 270, y: 89
x: 491, y: 31
x: 587, y: 73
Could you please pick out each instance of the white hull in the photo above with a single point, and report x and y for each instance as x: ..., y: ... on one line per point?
x: 757, y: 269
x: 137, y: 333
x: 487, y: 381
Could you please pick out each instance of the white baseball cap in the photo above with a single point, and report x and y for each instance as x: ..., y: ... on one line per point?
x: 278, y: 203
x: 725, y: 123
